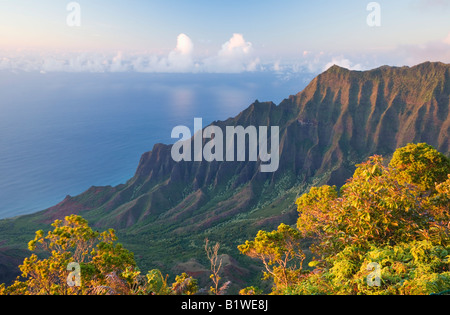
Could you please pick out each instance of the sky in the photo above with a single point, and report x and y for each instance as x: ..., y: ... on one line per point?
x: 219, y: 36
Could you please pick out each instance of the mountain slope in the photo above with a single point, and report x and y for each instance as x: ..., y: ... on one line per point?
x: 167, y: 209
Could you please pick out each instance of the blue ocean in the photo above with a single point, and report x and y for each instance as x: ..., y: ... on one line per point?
x: 61, y: 133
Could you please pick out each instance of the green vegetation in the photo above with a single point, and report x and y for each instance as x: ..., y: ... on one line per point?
x: 105, y: 266
x: 166, y: 210
x: 385, y: 232
x: 164, y: 213
x: 394, y: 217
x: 280, y: 252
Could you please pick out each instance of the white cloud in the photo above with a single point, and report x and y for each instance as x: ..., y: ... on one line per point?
x: 315, y: 62
x: 118, y: 64
x: 184, y: 45
x: 344, y: 63
x: 180, y: 59
x: 236, y: 55
x: 236, y: 46
x: 438, y: 50
x: 277, y: 66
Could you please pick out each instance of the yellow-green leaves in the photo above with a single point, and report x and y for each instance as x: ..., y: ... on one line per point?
x: 71, y: 241
x: 421, y: 164
x: 377, y: 205
x: 102, y: 266
x: 395, y: 216
x: 281, y: 253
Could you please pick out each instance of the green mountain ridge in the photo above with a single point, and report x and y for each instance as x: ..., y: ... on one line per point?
x: 164, y: 212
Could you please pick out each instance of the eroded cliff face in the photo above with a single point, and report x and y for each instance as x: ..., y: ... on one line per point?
x: 341, y: 118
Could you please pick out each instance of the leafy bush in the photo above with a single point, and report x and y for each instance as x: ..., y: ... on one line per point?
x: 106, y: 267
x: 392, y: 217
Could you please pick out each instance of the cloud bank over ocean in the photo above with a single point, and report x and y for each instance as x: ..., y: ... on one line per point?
x: 236, y: 55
